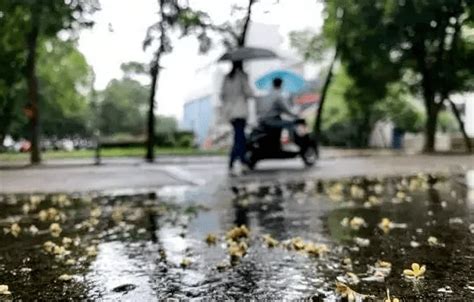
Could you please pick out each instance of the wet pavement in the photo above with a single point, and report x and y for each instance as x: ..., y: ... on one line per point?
x: 133, y: 173
x: 150, y: 244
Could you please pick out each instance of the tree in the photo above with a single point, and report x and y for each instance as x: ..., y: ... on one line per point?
x: 422, y: 43
x: 12, y: 61
x: 65, y: 80
x: 122, y: 107
x: 172, y: 14
x: 312, y: 47
x: 43, y: 19
x: 169, y: 15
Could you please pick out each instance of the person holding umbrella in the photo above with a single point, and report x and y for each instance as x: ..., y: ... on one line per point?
x: 235, y: 93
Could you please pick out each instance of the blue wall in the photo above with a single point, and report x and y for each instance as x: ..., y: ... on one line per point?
x: 197, y: 117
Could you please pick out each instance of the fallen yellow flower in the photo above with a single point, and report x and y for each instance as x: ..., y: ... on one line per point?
x: 211, y: 239
x: 238, y: 232
x: 95, y: 213
x: 354, y: 223
x: 4, y: 290
x: 70, y: 262
x: 117, y: 215
x: 415, y: 272
x: 48, y: 246
x: 15, y: 229
x: 237, y: 250
x: 270, y: 241
x: 346, y: 292
x: 55, y: 229
x: 59, y: 250
x: 65, y: 277
x: 383, y: 264
x: 357, y: 192
x: 385, y: 225
x: 297, y: 243
x: 91, y: 251
x: 316, y: 249
x: 185, y: 263
x: 433, y: 241
x: 67, y: 241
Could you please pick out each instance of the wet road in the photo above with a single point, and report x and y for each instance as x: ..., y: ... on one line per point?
x: 149, y: 247
x: 78, y: 175
x: 143, y: 236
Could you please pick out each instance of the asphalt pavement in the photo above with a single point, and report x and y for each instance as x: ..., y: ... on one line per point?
x: 134, y: 173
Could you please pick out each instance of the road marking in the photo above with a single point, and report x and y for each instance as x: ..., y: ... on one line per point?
x: 179, y: 174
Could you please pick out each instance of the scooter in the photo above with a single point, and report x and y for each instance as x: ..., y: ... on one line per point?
x: 267, y: 142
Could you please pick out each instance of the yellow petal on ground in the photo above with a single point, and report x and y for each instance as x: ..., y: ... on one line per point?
x: 48, y: 246
x: 55, y: 229
x: 415, y: 267
x: 381, y: 263
x: 270, y: 241
x: 96, y: 212
x: 15, y: 229
x: 70, y: 262
x: 185, y: 263
x: 238, y: 232
x: 67, y: 241
x: 408, y: 272
x: 211, y: 239
x: 59, y: 250
x: 4, y: 290
x: 432, y: 241
x: 91, y: 251
x: 117, y: 215
x: 422, y: 270
x: 65, y: 277
x: 357, y: 222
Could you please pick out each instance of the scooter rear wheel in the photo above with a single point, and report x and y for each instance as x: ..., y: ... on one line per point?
x: 309, y: 156
x: 251, y: 161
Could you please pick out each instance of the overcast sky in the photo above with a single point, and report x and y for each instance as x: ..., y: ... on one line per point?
x: 121, y: 25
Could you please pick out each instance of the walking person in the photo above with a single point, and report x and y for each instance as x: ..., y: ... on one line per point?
x: 235, y: 93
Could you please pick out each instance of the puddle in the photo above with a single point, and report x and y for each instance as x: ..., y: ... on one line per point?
x: 149, y: 246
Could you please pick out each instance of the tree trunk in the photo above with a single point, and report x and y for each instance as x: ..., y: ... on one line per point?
x: 467, y: 140
x: 430, y: 126
x: 33, y: 95
x: 6, y: 119
x: 319, y: 112
x: 155, y: 72
x: 248, y: 17
x: 150, y: 144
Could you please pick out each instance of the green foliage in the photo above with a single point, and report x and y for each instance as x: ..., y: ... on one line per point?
x: 65, y: 82
x: 122, y: 107
x: 346, y: 115
x: 12, y: 61
x: 166, y: 124
x: 447, y: 122
x: 402, y: 109
x: 382, y: 42
x: 310, y: 45
x: 25, y: 25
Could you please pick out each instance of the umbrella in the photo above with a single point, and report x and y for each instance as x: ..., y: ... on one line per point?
x: 248, y: 53
x: 292, y: 82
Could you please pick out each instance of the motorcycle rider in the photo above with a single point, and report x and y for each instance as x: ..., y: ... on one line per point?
x: 274, y: 106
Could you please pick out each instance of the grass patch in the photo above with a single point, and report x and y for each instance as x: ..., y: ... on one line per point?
x: 108, y: 153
